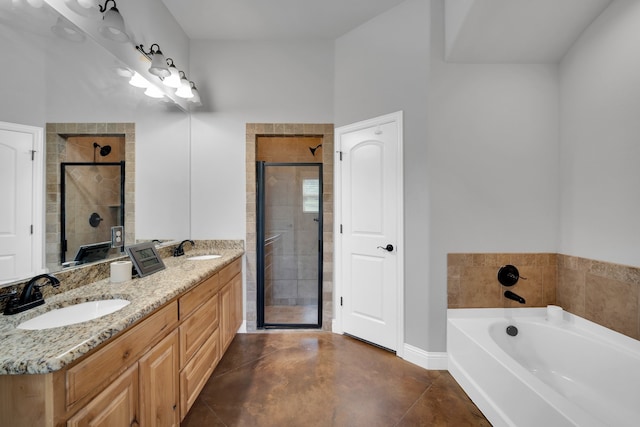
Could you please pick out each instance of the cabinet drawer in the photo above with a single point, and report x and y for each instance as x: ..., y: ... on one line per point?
x: 196, y: 296
x: 229, y: 271
x: 198, y: 328
x: 197, y: 371
x: 116, y: 356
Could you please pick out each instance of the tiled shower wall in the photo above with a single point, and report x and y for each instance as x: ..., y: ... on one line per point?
x: 605, y: 293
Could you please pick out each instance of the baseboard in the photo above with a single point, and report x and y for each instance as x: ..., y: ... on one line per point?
x: 336, y: 328
x: 243, y: 328
x: 426, y: 359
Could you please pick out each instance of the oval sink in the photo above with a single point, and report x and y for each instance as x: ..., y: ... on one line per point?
x: 203, y: 257
x: 73, y: 314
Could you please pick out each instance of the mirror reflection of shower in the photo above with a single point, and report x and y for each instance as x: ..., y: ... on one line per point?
x: 91, y: 194
x: 104, y: 150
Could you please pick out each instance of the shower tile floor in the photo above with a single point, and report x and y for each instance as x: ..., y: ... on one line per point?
x: 324, y: 379
x: 304, y: 314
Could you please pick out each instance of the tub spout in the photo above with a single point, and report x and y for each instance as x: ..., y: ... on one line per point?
x: 514, y: 296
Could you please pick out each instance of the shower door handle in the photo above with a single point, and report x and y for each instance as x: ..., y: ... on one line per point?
x: 388, y: 248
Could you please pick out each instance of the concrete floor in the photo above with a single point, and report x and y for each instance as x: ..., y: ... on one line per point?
x: 324, y: 379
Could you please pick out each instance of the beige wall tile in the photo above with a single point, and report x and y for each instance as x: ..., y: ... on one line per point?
x: 613, y: 304
x: 479, y: 287
x: 570, y: 293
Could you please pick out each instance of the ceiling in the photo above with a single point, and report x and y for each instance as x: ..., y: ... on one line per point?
x: 507, y: 31
x: 516, y: 31
x: 273, y: 19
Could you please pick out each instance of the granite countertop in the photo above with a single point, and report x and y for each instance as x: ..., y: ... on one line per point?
x: 44, y: 351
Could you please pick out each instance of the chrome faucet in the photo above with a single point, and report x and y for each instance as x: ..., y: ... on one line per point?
x: 31, y: 295
x: 179, y: 251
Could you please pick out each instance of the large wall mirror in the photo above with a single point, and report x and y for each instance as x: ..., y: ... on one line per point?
x: 74, y: 89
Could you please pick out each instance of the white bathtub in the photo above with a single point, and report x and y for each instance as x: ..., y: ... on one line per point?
x: 569, y: 372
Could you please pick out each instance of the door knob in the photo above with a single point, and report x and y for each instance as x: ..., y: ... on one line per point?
x: 388, y: 248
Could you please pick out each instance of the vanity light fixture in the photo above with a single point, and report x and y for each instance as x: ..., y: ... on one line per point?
x: 158, y: 62
x: 112, y: 26
x: 174, y: 77
x: 66, y: 30
x: 184, y: 91
x: 196, y: 95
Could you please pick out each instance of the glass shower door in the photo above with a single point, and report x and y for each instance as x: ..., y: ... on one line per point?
x: 289, y: 249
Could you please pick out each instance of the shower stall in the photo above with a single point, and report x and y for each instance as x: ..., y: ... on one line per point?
x: 91, y: 202
x: 289, y: 245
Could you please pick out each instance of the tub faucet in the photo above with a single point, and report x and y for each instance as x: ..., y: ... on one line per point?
x: 514, y: 296
x: 179, y: 251
x: 31, y: 295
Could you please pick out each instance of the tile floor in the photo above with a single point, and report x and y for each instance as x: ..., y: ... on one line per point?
x: 324, y: 379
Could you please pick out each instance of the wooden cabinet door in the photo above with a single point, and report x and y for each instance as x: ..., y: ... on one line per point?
x: 159, y: 384
x: 197, y: 371
x: 236, y: 284
x: 226, y: 321
x: 117, y: 405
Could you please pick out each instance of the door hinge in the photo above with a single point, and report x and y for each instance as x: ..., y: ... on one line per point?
x: 33, y: 155
x: 340, y: 153
x: 340, y: 228
x: 31, y: 228
x: 340, y: 301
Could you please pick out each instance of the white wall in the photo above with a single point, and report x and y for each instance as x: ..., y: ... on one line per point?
x: 22, y: 77
x: 492, y: 163
x: 382, y: 67
x: 600, y: 139
x: 247, y: 82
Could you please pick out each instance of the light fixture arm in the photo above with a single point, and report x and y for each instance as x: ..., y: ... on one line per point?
x: 151, y: 52
x: 103, y: 9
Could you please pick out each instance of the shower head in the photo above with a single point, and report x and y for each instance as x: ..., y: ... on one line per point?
x: 104, y: 151
x: 313, y: 149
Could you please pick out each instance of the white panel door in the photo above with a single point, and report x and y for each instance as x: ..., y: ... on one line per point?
x: 370, y: 191
x: 17, y: 243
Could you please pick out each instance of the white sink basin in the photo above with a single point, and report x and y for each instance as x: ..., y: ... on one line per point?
x: 203, y: 257
x: 72, y: 314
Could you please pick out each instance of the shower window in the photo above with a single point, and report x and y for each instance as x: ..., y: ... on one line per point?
x: 311, y: 195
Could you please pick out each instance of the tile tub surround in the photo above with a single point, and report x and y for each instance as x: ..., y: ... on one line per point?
x: 602, y: 292
x: 38, y: 352
x: 472, y: 279
x: 605, y: 293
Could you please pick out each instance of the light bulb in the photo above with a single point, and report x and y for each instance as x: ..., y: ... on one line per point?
x: 138, y: 81
x: 154, y: 92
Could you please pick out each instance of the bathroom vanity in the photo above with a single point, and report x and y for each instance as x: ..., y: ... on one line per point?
x: 143, y: 365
